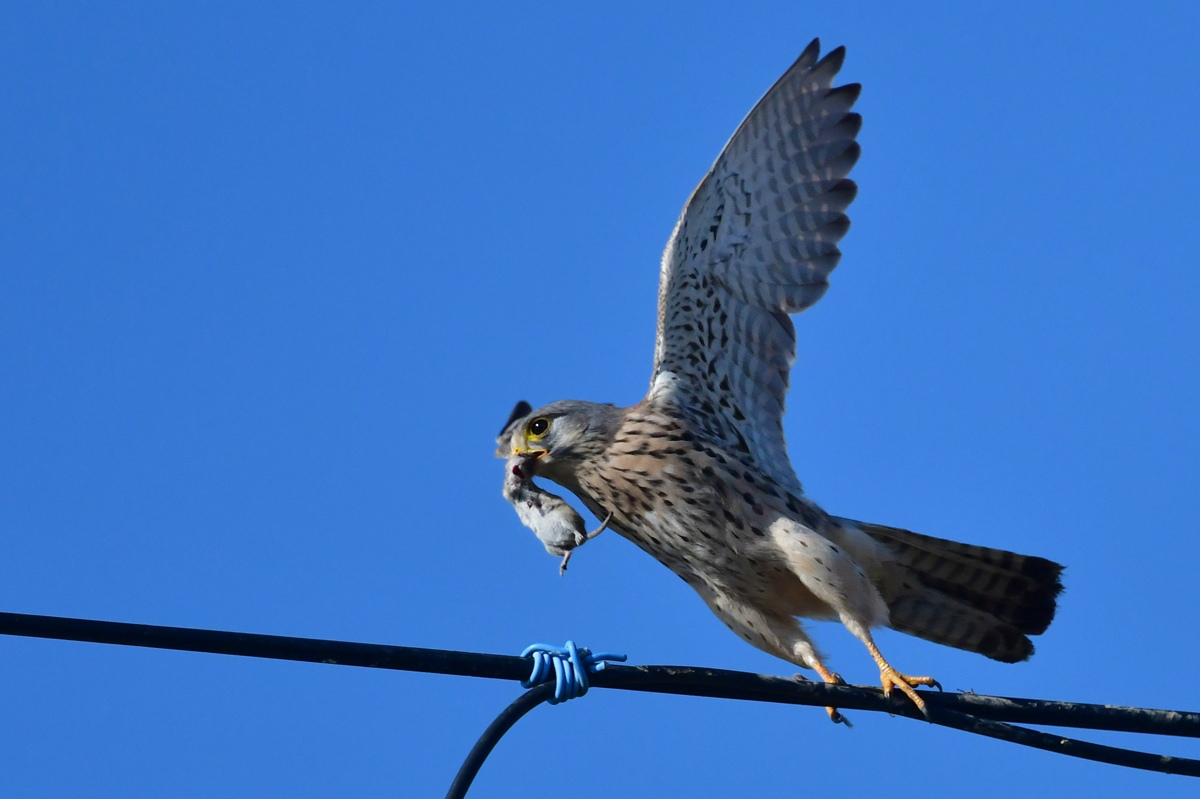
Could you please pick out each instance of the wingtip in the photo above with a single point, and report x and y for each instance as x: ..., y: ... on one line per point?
x: 833, y: 60
x: 845, y: 190
x: 808, y: 56
x: 850, y: 92
x: 851, y: 125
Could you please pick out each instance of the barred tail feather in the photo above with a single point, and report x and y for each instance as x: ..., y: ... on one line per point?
x: 936, y: 617
x: 983, y: 600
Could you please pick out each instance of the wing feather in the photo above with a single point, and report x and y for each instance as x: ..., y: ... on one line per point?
x: 756, y: 241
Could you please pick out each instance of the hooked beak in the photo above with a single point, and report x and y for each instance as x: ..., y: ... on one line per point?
x: 528, y: 452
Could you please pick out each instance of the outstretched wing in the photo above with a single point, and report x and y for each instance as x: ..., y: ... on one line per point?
x: 756, y: 242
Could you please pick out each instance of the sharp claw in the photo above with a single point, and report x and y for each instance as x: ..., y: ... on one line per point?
x: 894, y: 679
x: 830, y: 678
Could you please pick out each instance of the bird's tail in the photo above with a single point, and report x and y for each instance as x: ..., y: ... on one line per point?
x: 983, y: 600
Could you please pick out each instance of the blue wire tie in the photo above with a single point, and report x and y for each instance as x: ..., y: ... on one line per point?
x: 571, y: 665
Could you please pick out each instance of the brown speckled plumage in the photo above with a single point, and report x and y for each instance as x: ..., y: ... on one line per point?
x: 697, y: 474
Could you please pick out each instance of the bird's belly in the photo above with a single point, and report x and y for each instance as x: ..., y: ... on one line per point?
x: 709, y: 556
x: 707, y: 518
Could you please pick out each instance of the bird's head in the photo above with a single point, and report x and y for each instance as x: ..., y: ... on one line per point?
x: 558, y: 437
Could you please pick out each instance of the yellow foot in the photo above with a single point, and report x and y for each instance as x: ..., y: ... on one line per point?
x: 833, y: 679
x: 894, y: 679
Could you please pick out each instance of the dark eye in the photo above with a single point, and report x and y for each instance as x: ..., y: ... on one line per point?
x: 538, y: 427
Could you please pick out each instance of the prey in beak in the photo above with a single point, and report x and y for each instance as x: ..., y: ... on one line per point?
x: 528, y: 453
x: 557, y: 525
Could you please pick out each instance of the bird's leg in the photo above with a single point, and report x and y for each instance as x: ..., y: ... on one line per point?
x: 832, y: 679
x: 777, y: 634
x: 894, y: 679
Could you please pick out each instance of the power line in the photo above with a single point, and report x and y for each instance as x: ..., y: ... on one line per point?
x: 983, y: 715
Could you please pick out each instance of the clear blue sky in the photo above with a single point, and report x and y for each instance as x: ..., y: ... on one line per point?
x: 271, y: 280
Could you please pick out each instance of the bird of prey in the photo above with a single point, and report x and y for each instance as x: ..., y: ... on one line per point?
x: 697, y: 473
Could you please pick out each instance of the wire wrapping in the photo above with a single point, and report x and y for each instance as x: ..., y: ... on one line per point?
x: 570, y: 666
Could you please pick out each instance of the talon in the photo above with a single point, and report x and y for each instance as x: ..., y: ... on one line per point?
x: 929, y: 681
x: 926, y: 681
x: 832, y: 678
x: 894, y: 679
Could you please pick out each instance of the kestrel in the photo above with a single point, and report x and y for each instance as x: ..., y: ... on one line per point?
x: 697, y: 473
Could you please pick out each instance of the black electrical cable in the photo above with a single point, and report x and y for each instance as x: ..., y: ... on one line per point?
x: 983, y: 715
x: 491, y: 736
